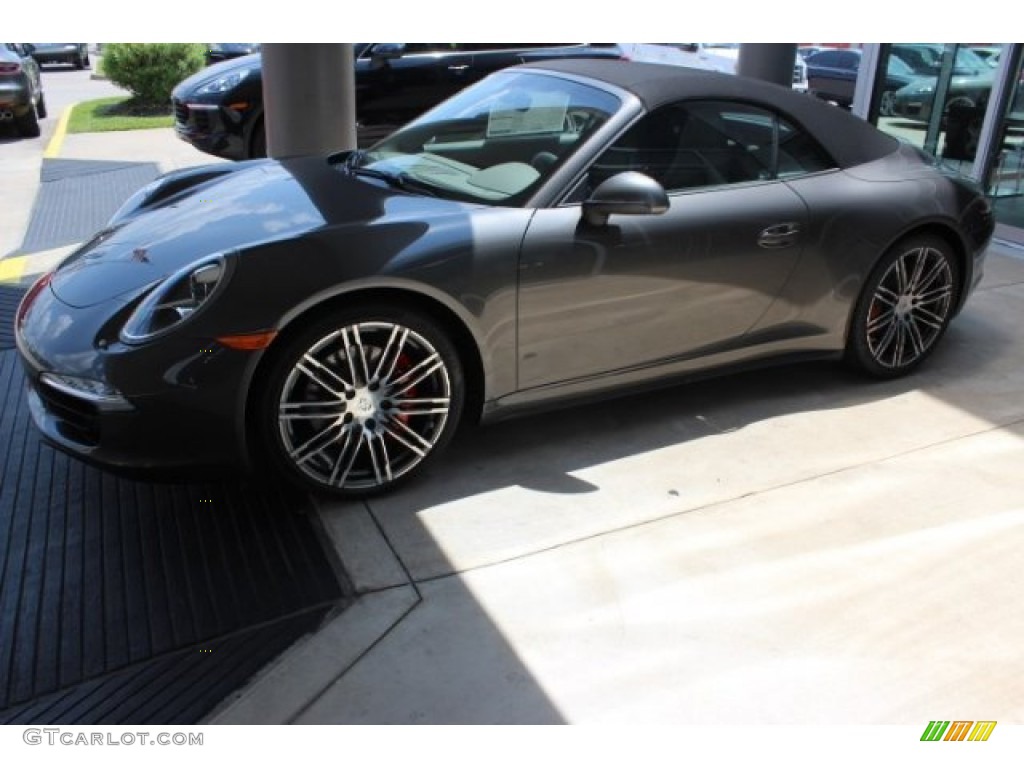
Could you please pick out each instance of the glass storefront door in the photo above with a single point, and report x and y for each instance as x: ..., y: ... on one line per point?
x: 1005, y: 182
x: 920, y: 76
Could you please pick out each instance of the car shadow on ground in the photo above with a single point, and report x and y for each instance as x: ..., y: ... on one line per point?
x: 542, y: 452
x: 9, y: 133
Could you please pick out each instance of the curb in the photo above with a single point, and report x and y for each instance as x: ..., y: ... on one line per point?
x: 56, y: 142
x: 24, y: 268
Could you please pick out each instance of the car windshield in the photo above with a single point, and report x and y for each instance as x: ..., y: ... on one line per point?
x: 495, y: 142
x: 927, y: 59
x: 898, y: 66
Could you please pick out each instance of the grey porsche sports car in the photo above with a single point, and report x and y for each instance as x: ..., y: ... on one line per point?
x: 556, y: 231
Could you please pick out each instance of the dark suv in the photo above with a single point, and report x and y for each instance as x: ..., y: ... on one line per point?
x: 220, y: 109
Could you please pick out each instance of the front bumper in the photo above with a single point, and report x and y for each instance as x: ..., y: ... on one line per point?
x: 180, y: 404
x: 212, y: 128
x: 918, y: 108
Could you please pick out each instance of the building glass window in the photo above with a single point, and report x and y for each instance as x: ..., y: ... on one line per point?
x: 1006, y: 177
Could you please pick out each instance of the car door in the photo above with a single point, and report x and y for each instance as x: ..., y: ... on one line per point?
x: 397, y: 82
x: 646, y: 290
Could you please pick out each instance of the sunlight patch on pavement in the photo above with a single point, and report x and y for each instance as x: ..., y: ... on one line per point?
x: 12, y: 269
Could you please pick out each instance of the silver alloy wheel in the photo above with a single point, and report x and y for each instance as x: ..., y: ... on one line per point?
x: 910, y: 307
x: 364, y: 405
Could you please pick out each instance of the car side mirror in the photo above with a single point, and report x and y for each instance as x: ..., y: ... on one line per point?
x: 628, y: 192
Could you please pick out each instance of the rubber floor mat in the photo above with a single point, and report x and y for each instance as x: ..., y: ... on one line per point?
x: 110, y: 589
x: 10, y: 296
x: 77, y: 197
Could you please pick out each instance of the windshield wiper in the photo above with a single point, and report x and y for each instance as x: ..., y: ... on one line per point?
x: 401, y: 180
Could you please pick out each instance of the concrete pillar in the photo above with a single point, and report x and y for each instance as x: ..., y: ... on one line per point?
x: 773, y: 62
x: 309, y: 97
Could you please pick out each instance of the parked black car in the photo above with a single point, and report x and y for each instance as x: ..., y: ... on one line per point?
x: 832, y: 75
x: 220, y: 109
x: 21, y: 89
x: 216, y: 52
x: 75, y: 54
x: 561, y: 230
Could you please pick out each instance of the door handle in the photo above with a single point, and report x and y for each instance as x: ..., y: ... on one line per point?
x: 779, y: 235
x: 458, y: 67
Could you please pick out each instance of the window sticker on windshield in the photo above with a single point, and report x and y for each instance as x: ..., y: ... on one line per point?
x: 518, y: 114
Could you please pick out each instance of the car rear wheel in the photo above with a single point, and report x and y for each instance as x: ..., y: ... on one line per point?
x: 362, y: 400
x: 41, y: 106
x: 905, y: 307
x: 28, y: 124
x: 886, y: 104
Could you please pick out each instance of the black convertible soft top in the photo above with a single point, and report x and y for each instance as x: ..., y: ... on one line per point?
x: 850, y: 140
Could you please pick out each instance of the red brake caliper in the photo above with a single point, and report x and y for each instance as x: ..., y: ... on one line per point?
x: 402, y: 365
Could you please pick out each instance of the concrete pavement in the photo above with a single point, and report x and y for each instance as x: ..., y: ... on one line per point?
x: 21, y: 158
x: 788, y: 546
x: 159, y: 146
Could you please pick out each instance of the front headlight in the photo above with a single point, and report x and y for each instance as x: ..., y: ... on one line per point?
x: 224, y: 82
x: 174, y: 300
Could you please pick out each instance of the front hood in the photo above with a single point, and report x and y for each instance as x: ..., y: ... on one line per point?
x: 252, y: 204
x: 190, y: 85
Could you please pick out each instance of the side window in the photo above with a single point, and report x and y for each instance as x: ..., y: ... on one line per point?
x: 705, y: 144
x: 409, y: 49
x: 849, y: 61
x: 697, y: 144
x: 825, y: 59
x: 798, y: 153
x: 414, y: 48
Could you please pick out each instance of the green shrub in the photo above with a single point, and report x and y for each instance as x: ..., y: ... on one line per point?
x: 151, y: 70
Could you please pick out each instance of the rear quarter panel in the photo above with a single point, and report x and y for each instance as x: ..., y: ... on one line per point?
x: 855, y: 216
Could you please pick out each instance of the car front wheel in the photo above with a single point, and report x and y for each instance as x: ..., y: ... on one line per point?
x: 363, y: 400
x: 904, y: 308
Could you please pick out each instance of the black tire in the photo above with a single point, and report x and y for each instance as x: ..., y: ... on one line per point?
x: 360, y: 400
x: 28, y: 124
x: 41, y: 106
x: 258, y: 145
x: 904, y: 308
x: 78, y: 62
x: 87, y: 62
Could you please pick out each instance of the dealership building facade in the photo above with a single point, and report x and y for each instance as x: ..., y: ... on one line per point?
x: 979, y: 132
